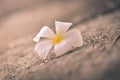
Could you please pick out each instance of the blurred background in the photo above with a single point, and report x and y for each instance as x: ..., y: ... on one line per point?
x: 21, y: 20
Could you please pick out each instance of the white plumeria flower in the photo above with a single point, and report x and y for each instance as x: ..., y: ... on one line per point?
x: 62, y: 41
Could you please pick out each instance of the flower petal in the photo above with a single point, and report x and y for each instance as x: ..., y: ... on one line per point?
x: 62, y: 48
x: 74, y: 38
x: 44, y: 32
x: 42, y: 48
x: 62, y: 27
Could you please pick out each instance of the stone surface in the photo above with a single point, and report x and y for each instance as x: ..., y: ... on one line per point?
x: 97, y: 59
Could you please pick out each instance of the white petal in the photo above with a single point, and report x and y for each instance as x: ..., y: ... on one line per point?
x: 62, y: 48
x: 42, y: 48
x: 62, y: 27
x: 74, y: 38
x: 44, y: 32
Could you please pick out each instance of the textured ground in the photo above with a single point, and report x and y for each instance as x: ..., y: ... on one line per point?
x: 97, y: 59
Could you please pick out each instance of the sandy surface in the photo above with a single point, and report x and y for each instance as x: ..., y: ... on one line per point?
x: 97, y: 59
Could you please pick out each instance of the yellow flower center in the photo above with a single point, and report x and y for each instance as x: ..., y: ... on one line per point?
x: 57, y: 38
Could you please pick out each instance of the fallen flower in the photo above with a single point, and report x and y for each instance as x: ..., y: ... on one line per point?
x: 62, y: 41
